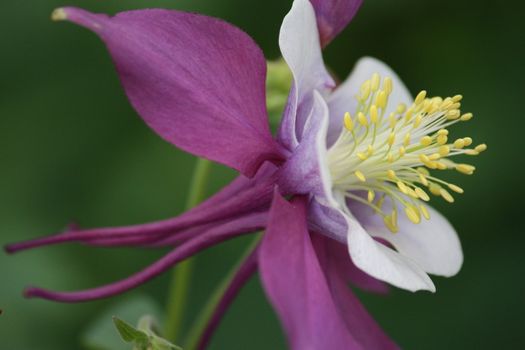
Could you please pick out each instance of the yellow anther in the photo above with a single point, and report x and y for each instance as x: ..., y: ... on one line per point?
x: 431, y: 165
x: 370, y: 150
x: 468, y: 141
x: 390, y: 224
x: 443, y: 132
x: 459, y: 143
x: 374, y: 84
x: 381, y: 99
x: 390, y: 157
x: 441, y: 166
x: 465, y: 169
x: 481, y: 148
x: 406, y: 139
x: 388, y: 85
x: 446, y: 195
x: 417, y: 121
x: 412, y: 214
x: 402, y: 187
x: 401, y: 108
x: 435, y: 189
x: 455, y: 188
x: 424, y: 211
x: 434, y: 156
x: 391, y: 139
x: 424, y: 158
x: 349, y: 124
x: 457, y: 98
x: 380, y: 202
x: 371, y: 196
x: 412, y: 193
x: 442, y: 139
x: 391, y: 174
x: 423, y: 180
x: 452, y: 114
x: 362, y: 119
x: 408, y: 114
x: 392, y: 120
x: 456, y: 105
x: 444, y: 151
x: 360, y: 176
x: 365, y: 90
x: 420, y: 97
x: 466, y: 117
x: 426, y: 140
x: 362, y: 156
x: 446, y: 103
x: 423, y: 171
x: 373, y: 114
x: 471, y: 152
x: 402, y: 151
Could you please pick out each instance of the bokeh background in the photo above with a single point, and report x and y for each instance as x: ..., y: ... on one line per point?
x: 72, y: 148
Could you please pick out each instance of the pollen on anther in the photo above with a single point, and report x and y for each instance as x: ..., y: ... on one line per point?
x: 360, y: 176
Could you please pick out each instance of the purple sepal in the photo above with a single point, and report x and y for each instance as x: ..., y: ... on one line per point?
x: 197, y: 81
x: 333, y: 16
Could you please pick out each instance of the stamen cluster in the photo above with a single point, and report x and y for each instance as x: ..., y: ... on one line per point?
x: 392, y: 155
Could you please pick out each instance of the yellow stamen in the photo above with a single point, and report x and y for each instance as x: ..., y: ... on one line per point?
x: 360, y: 176
x: 349, y: 124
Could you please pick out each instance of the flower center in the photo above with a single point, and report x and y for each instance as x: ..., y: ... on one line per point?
x: 391, y: 155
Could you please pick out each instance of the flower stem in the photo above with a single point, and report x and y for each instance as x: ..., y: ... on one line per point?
x: 181, y: 276
x: 206, y: 313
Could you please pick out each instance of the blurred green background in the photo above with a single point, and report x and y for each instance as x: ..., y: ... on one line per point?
x: 73, y: 149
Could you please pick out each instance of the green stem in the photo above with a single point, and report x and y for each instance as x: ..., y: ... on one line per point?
x: 181, y: 277
x: 202, y: 320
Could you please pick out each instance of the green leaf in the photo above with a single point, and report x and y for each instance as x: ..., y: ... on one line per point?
x: 101, y: 334
x: 128, y: 333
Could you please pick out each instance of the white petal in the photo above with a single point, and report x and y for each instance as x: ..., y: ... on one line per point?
x: 372, y: 257
x: 300, y: 47
x: 383, y: 263
x: 433, y: 243
x: 343, y: 99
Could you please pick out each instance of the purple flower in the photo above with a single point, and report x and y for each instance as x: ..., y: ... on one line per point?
x: 353, y: 161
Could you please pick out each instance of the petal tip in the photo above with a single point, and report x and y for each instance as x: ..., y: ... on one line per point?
x: 59, y: 14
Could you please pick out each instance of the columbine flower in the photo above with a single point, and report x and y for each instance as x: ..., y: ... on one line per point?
x: 357, y: 161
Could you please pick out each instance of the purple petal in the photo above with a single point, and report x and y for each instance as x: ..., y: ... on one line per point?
x: 197, y: 81
x: 362, y: 326
x: 296, y: 285
x: 242, y: 196
x: 242, y: 275
x: 333, y: 16
x: 185, y: 250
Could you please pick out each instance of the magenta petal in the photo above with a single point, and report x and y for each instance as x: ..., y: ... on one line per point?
x: 185, y: 250
x: 333, y: 16
x: 242, y: 196
x: 295, y: 283
x: 362, y: 326
x: 197, y: 81
x: 242, y: 275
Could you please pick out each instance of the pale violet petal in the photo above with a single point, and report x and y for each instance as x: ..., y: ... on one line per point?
x: 343, y: 99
